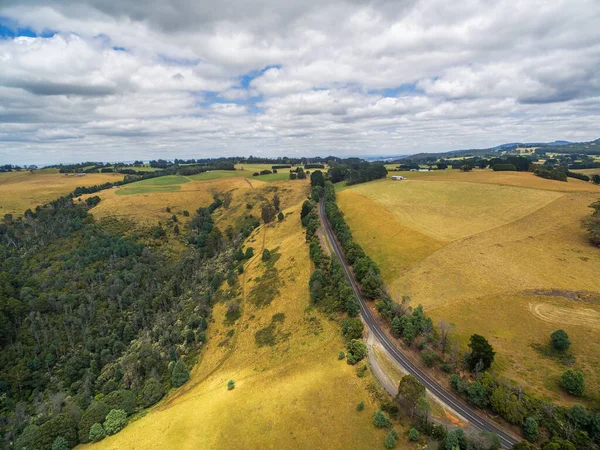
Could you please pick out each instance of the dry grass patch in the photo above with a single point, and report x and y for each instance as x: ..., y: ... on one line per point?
x: 488, y: 176
x: 447, y: 210
x: 22, y: 190
x: 395, y: 248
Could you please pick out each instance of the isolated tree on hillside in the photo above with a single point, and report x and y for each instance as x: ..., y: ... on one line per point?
x: 268, y: 213
x: 227, y: 197
x: 560, y: 340
x: 573, y: 382
x: 482, y: 353
x: 276, y: 202
x: 410, y: 390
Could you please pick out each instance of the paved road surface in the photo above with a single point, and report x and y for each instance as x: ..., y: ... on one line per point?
x: 475, y: 418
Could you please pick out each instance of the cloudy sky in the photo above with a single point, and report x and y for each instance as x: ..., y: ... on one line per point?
x: 125, y: 79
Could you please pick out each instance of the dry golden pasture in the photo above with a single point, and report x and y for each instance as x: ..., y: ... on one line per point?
x: 295, y: 394
x: 513, y: 276
x: 447, y: 210
x: 488, y: 176
x: 22, y: 190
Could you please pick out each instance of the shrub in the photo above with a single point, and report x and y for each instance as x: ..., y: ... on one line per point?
x: 380, y: 419
x: 230, y: 385
x: 266, y: 255
x: 152, y: 392
x: 60, y: 443
x: 280, y: 216
x: 413, y: 434
x: 573, y: 382
x: 361, y: 371
x: 97, y: 433
x: 341, y: 355
x: 115, y: 421
x: 392, y: 439
x: 429, y: 357
x: 357, y: 350
x: 249, y: 252
x: 477, y: 394
x: 180, y: 374
x: 122, y: 399
x: 360, y: 406
x: 95, y: 413
x: 352, y: 328
x: 531, y: 429
x: 560, y: 340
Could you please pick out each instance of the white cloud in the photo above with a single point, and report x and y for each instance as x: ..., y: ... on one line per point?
x: 343, y: 77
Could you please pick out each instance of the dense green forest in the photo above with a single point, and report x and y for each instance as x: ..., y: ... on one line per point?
x: 94, y: 326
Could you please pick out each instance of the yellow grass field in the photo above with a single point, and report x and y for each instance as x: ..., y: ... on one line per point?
x: 295, y: 394
x: 22, y: 190
x: 514, y: 274
x: 448, y: 210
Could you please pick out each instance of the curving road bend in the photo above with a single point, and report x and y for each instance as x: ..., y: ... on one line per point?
x: 449, y: 399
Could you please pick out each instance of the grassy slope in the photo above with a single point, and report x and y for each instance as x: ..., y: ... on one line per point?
x: 293, y: 395
x: 486, y: 283
x: 22, y: 190
x: 448, y: 210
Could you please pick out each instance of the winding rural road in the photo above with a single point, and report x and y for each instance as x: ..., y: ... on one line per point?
x: 449, y: 399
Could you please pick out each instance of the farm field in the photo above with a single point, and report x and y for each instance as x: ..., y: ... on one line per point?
x: 294, y: 394
x: 22, y: 190
x: 488, y: 176
x: 508, y: 262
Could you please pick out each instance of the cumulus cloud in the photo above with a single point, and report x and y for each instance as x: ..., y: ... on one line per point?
x: 108, y: 79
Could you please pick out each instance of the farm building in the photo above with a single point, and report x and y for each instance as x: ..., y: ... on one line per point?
x: 398, y: 177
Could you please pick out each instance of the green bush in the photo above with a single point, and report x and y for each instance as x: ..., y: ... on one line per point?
x: 115, y: 421
x: 380, y: 419
x: 152, y: 392
x: 280, y: 216
x: 122, y: 399
x: 180, y: 374
x: 341, y: 355
x: 573, y: 382
x: 413, y: 434
x: 95, y: 413
x: 560, y: 340
x: 391, y: 440
x: 352, y: 328
x: 360, y: 406
x: 266, y: 255
x: 230, y: 385
x: 356, y: 351
x: 531, y: 429
x: 97, y: 433
x: 60, y: 443
x: 249, y: 252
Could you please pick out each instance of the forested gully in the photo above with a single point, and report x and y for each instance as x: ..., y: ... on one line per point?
x: 95, y: 326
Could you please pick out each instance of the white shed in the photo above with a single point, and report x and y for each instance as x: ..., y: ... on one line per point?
x: 398, y: 177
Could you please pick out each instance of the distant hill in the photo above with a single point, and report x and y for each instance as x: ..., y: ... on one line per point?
x: 591, y: 147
